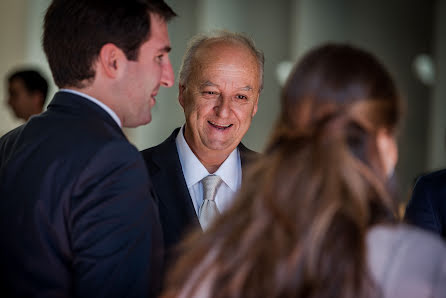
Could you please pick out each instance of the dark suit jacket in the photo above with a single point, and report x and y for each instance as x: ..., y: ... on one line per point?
x: 177, y: 211
x: 427, y: 207
x: 77, y: 215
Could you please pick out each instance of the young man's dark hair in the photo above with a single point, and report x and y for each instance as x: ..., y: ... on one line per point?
x: 72, y: 42
x: 32, y: 80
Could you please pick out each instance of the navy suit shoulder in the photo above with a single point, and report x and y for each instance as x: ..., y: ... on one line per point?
x: 76, y: 207
x: 427, y: 206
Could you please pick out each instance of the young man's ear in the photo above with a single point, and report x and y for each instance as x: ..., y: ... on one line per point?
x: 181, y: 91
x: 111, y: 59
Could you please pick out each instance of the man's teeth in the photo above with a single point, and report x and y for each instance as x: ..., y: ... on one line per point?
x: 220, y: 125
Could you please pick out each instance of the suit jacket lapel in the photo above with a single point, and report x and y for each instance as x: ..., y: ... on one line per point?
x: 247, y: 156
x: 177, y: 211
x: 169, y: 175
x: 175, y: 201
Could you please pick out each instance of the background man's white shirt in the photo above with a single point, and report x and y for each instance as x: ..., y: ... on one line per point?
x: 194, y: 171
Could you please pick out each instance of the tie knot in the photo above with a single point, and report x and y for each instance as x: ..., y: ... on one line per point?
x: 210, y: 185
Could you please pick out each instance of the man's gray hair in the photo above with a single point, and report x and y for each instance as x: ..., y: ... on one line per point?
x: 201, y: 39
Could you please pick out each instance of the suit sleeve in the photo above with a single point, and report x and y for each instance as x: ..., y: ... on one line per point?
x: 115, y: 229
x: 420, y: 210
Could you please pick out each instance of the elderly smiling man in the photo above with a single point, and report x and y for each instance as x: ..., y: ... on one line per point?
x: 198, y: 168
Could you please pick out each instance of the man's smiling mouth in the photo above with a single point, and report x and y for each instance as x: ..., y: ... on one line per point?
x: 219, y: 126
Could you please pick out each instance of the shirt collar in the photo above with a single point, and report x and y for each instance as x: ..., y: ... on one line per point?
x: 99, y: 103
x: 194, y: 171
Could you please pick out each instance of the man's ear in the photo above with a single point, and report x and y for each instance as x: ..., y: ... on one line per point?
x: 112, y: 60
x: 181, y: 94
x: 254, y: 110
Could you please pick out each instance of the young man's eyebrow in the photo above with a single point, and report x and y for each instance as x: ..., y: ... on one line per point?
x: 166, y: 49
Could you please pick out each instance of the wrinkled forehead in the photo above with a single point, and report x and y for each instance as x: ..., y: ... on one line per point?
x: 229, y: 56
x: 223, y: 51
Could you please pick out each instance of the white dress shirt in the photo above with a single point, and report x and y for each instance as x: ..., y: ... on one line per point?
x: 99, y: 103
x: 193, y: 170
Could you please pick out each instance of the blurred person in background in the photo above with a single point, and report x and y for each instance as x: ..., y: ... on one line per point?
x: 27, y: 92
x: 315, y: 217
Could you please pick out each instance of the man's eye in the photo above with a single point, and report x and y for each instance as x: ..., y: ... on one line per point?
x: 240, y: 96
x: 210, y: 93
x: 159, y: 58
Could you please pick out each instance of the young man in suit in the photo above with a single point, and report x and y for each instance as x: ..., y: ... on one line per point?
x: 77, y: 215
x: 221, y: 78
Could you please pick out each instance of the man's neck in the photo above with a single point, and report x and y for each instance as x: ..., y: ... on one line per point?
x: 211, y: 160
x: 97, y: 98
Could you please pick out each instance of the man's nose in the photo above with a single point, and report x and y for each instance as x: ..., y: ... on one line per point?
x: 167, y: 77
x: 223, y: 106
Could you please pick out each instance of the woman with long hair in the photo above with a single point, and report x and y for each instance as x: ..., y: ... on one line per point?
x: 316, y: 217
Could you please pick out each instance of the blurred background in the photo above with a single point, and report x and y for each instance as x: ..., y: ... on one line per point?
x: 408, y: 36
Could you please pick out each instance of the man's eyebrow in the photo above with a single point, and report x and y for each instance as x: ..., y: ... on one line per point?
x: 208, y: 84
x: 166, y: 49
x: 246, y: 88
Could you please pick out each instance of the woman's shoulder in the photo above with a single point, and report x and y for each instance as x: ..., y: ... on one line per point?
x: 407, y: 261
x: 402, y: 235
x: 404, y: 242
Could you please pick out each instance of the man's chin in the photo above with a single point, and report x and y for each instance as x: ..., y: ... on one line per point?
x: 147, y: 121
x: 221, y: 145
x: 135, y: 124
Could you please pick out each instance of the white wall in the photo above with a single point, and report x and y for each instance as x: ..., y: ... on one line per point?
x: 12, y: 53
x: 34, y: 55
x: 20, y: 33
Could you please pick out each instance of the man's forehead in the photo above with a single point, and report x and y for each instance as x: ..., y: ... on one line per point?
x: 215, y: 49
x: 159, y: 34
x: 16, y: 83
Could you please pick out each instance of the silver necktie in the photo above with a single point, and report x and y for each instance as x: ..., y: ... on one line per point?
x: 208, y: 210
